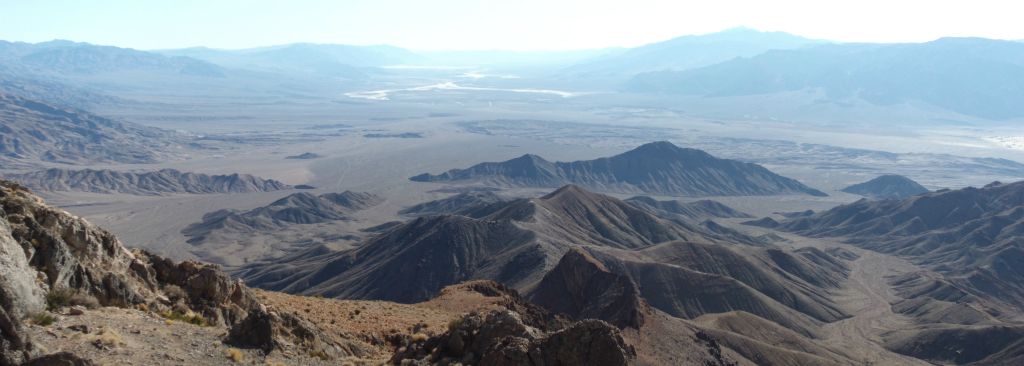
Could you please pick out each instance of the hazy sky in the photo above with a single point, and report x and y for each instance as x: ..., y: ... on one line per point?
x: 481, y: 24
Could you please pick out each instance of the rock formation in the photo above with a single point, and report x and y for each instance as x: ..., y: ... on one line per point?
x: 501, y: 338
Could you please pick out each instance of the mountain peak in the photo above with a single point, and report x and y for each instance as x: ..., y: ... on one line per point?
x: 568, y: 190
x: 656, y: 148
x: 595, y: 291
x: 530, y: 158
x: 889, y: 186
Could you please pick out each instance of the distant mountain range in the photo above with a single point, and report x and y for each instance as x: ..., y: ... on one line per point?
x: 65, y: 57
x: 688, y: 52
x: 324, y: 59
x: 654, y: 168
x: 969, y: 76
x: 163, y: 181
x: 888, y: 186
x: 32, y: 131
x: 972, y: 76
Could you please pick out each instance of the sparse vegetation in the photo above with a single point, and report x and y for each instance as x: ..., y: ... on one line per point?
x: 58, y: 297
x: 235, y: 355
x: 419, y: 337
x: 110, y: 338
x: 189, y: 317
x: 320, y: 354
x: 42, y: 318
x: 454, y: 324
x: 62, y: 297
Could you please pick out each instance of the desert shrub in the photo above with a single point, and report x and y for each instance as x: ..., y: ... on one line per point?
x: 61, y: 297
x: 419, y: 337
x: 42, y: 318
x: 323, y: 356
x: 110, y: 338
x: 185, y: 317
x: 58, y: 297
x: 234, y: 355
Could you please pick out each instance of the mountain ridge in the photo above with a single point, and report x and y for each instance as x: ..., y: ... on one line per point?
x: 656, y: 167
x: 158, y: 182
x: 979, y: 77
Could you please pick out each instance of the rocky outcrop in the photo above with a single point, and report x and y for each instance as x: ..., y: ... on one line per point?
x: 501, y: 338
x: 589, y: 342
x: 66, y: 253
x: 207, y: 290
x: 63, y: 252
x: 272, y: 331
x: 531, y: 314
x: 49, y: 257
x: 581, y: 287
x: 14, y: 345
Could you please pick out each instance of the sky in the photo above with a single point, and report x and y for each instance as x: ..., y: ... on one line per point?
x: 489, y: 25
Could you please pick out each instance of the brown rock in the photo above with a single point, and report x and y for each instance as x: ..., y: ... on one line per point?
x: 500, y: 338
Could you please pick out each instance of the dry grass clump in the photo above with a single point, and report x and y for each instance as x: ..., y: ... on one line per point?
x: 419, y: 337
x: 109, y: 338
x: 61, y: 297
x: 42, y: 318
x: 454, y: 324
x: 235, y: 355
x: 189, y: 317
